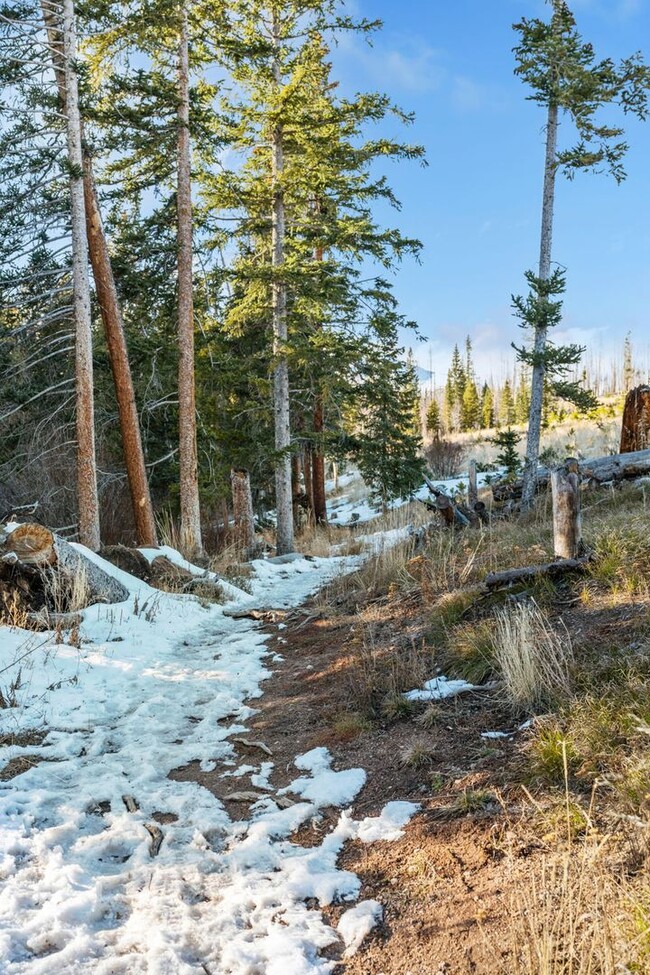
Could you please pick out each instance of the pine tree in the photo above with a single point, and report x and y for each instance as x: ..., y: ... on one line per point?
x: 565, y: 78
x: 506, y: 405
x: 508, y: 457
x: 487, y: 407
x: 470, y: 407
x: 449, y: 402
x: 434, y: 423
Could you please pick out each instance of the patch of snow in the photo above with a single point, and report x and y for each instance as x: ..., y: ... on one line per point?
x: 357, y: 923
x: 389, y: 825
x: 159, y: 682
x: 496, y: 734
x: 439, y: 688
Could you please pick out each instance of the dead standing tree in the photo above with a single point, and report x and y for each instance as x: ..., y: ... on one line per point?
x: 635, y: 433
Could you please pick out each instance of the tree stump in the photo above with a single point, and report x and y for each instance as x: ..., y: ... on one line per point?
x: 242, y: 506
x: 635, y: 433
x: 567, y: 523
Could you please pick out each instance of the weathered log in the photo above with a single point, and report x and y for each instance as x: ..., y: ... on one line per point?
x: 482, y: 513
x: 33, y: 546
x: 130, y: 560
x: 567, y: 524
x: 635, y: 432
x: 599, y: 470
x: 529, y: 572
x: 169, y: 577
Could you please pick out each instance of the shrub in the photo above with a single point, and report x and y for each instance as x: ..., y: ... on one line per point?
x: 445, y: 458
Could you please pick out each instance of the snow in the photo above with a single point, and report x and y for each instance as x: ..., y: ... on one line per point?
x: 156, y: 683
x: 355, y: 507
x: 356, y: 923
x: 439, y: 688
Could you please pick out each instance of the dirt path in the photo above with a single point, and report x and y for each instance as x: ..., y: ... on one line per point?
x: 446, y: 886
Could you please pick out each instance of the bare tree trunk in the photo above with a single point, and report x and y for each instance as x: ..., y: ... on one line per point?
x: 318, y: 468
x: 145, y: 525
x: 472, y: 491
x: 242, y: 507
x: 281, y: 402
x: 567, y: 524
x: 136, y: 472
x: 309, y: 482
x: 87, y: 499
x: 539, y: 370
x: 296, y: 490
x: 635, y: 432
x: 191, y: 542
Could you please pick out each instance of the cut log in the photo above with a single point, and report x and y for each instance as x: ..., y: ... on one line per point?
x: 599, y: 470
x: 567, y: 524
x: 635, y: 432
x: 530, y: 572
x: 32, y: 546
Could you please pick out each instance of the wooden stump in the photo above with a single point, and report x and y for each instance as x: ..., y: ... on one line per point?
x: 242, y: 506
x: 635, y: 433
x: 567, y: 523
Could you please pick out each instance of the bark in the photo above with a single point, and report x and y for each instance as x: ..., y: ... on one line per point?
x: 307, y: 468
x: 318, y: 468
x: 145, y: 525
x: 87, y: 498
x: 635, y: 433
x: 36, y: 547
x: 281, y: 407
x: 296, y: 490
x: 190, y: 511
x: 539, y: 370
x: 567, y: 524
x: 242, y: 506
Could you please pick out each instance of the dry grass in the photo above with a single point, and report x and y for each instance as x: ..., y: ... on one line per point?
x: 65, y: 595
x: 576, y: 917
x: 533, y: 658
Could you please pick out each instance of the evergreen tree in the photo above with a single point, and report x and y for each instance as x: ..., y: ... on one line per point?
x: 508, y: 457
x: 487, y: 407
x: 458, y: 375
x: 506, y: 405
x: 471, y: 406
x: 434, y: 422
x: 565, y: 78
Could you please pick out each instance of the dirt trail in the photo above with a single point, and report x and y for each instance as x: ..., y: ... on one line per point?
x: 446, y: 885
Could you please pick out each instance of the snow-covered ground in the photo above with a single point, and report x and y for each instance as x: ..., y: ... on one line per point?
x: 158, y: 682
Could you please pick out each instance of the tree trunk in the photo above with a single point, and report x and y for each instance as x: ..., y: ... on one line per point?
x: 318, y: 467
x: 242, y: 506
x: 38, y: 548
x: 307, y: 467
x: 281, y: 402
x: 567, y: 524
x: 190, y: 510
x: 539, y: 369
x: 635, y: 434
x: 472, y: 490
x: 143, y: 516
x: 87, y: 498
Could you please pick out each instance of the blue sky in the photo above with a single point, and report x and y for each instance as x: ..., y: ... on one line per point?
x: 476, y: 207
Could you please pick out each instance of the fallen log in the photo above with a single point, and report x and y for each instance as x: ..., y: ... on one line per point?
x: 599, y: 470
x: 529, y: 572
x: 66, y: 574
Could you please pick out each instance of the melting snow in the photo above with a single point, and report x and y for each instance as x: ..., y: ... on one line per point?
x: 159, y: 682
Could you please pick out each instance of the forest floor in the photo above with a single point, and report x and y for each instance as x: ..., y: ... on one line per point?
x: 501, y: 831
